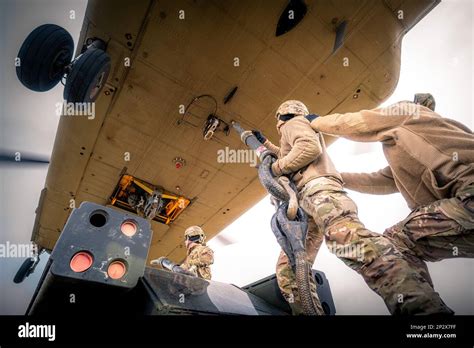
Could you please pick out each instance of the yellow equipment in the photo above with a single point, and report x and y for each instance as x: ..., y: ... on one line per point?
x: 147, y: 200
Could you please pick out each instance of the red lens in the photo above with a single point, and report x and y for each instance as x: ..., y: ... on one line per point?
x: 81, y: 261
x: 116, y: 270
x: 128, y: 228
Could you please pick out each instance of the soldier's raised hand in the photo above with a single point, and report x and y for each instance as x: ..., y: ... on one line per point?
x: 260, y: 137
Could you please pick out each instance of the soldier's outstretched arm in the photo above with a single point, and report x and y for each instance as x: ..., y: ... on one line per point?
x: 377, y: 183
x: 365, y: 125
x: 305, y: 146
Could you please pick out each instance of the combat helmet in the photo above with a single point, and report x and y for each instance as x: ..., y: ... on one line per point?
x: 195, y: 234
x: 292, y: 107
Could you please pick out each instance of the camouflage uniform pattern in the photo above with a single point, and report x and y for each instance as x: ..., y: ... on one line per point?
x: 200, y: 258
x: 383, y: 267
x: 441, y: 230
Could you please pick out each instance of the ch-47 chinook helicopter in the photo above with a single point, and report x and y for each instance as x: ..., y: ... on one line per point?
x: 158, y: 84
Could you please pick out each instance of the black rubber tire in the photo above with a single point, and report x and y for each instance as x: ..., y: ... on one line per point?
x: 43, y: 56
x: 23, y: 270
x: 81, y: 84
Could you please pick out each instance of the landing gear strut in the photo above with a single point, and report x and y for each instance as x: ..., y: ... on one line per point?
x: 27, y: 267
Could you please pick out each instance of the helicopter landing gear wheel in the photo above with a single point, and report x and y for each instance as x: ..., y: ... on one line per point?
x: 24, y: 270
x: 88, y: 76
x: 43, y: 57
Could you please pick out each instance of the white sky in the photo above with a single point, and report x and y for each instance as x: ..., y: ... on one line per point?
x: 437, y: 57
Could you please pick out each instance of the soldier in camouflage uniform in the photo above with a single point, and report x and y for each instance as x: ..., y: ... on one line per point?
x: 431, y: 163
x: 200, y: 257
x: 302, y: 156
